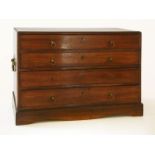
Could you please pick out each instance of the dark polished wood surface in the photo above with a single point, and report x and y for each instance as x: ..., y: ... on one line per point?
x: 79, y: 41
x: 83, y: 59
x: 69, y: 97
x: 70, y: 78
x: 78, y: 113
x: 68, y: 75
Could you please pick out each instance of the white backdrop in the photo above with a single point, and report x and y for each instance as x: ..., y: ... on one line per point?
x: 114, y: 125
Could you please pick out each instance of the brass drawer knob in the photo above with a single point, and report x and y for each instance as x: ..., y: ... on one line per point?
x: 82, y: 57
x: 110, y: 59
x: 111, y: 43
x: 110, y: 95
x: 82, y: 92
x: 52, y: 98
x: 83, y: 39
x: 52, y: 61
x: 53, y: 44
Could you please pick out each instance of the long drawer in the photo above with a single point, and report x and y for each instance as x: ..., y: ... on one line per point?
x: 76, y: 41
x: 83, y: 59
x: 37, y: 79
x: 53, y: 98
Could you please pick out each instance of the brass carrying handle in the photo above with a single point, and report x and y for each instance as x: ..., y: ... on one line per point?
x: 53, y: 44
x: 13, y: 64
x: 52, y: 98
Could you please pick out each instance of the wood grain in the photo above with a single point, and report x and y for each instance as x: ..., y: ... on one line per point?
x: 78, y: 113
x: 71, y: 78
x: 33, y: 41
x: 77, y: 75
x: 41, y: 99
x: 82, y: 59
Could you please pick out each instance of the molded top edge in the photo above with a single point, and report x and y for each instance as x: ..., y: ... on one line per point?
x: 18, y: 29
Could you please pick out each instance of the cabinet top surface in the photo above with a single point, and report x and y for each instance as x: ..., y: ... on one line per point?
x: 18, y: 29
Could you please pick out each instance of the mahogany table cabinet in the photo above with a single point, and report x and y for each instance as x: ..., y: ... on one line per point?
x: 73, y: 74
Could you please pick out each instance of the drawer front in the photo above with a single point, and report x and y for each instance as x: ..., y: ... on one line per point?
x: 53, y: 98
x: 52, y: 60
x: 76, y: 41
x: 37, y: 79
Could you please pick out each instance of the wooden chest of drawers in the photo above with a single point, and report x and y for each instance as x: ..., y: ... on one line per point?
x: 69, y: 74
